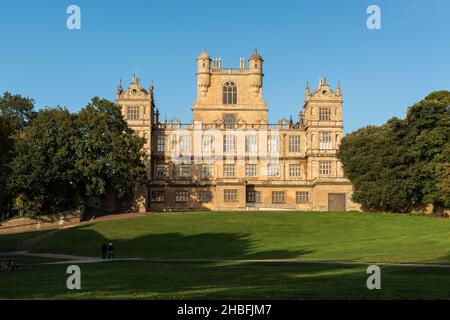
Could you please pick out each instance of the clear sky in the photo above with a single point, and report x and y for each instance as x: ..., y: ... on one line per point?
x: 382, y: 71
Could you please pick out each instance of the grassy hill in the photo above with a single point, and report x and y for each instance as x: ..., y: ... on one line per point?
x: 264, y: 235
x: 244, y: 235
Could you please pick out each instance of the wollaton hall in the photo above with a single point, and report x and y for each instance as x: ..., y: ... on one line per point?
x: 229, y: 157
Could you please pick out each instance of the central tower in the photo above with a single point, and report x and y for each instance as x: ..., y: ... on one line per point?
x: 226, y: 95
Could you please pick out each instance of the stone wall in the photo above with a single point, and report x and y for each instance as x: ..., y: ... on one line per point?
x: 45, y: 221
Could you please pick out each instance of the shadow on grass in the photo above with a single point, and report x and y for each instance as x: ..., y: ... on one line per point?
x: 209, y: 280
x: 85, y: 241
x: 156, y: 280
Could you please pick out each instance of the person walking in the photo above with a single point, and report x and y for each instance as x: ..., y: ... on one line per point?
x: 110, y: 251
x: 104, y: 250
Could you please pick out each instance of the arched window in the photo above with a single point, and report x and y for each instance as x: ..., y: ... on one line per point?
x: 229, y: 93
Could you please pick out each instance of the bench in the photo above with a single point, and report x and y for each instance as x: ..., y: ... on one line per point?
x: 9, y: 265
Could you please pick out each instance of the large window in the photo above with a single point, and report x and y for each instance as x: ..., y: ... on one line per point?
x: 133, y: 112
x: 325, y: 140
x: 251, y: 143
x: 162, y: 170
x: 294, y: 170
x: 161, y: 143
x: 207, y: 144
x: 229, y: 143
x: 272, y: 144
x: 325, y: 113
x: 229, y: 93
x: 253, y: 196
x: 207, y: 171
x: 302, y: 196
x: 185, y: 144
x: 273, y: 170
x: 277, y: 196
x: 157, y: 196
x: 205, y: 196
x: 182, y: 196
x: 294, y: 143
x: 229, y: 120
x: 185, y: 170
x: 229, y: 170
x: 251, y: 170
x: 324, y: 168
x: 230, y: 195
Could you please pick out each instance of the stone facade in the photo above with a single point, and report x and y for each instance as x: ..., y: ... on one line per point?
x: 229, y: 157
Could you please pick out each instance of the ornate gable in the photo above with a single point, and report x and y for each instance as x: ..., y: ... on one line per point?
x: 134, y: 91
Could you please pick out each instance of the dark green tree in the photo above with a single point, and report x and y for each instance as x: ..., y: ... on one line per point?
x: 403, y: 164
x: 15, y: 113
x: 374, y: 160
x: 17, y: 109
x: 109, y: 156
x: 42, y: 170
x: 428, y: 140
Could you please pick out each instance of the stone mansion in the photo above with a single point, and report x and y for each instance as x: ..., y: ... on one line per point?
x: 229, y: 157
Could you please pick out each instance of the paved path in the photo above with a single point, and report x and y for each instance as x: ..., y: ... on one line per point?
x: 28, y: 244
x: 70, y: 259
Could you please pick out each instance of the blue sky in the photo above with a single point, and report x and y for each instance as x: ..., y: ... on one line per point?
x: 382, y: 71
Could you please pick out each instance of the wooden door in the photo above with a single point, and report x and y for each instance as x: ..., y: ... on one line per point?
x: 336, y: 202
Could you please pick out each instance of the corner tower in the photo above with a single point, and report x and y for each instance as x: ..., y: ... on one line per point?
x: 322, y: 121
x: 229, y: 94
x: 138, y: 109
x: 203, y: 73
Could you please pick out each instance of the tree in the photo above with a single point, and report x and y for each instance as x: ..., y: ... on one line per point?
x: 374, y: 160
x: 15, y: 113
x: 19, y: 110
x: 403, y: 164
x: 109, y: 156
x: 428, y: 139
x: 52, y: 160
x: 42, y: 170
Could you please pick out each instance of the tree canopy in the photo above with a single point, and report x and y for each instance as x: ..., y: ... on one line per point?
x: 108, y: 153
x: 58, y: 159
x: 402, y: 165
x: 15, y: 113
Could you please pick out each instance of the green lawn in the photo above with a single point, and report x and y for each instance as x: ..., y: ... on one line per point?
x: 11, y: 242
x: 265, y: 235
x: 245, y: 235
x: 149, y: 280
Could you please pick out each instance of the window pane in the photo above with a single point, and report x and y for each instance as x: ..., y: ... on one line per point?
x: 157, y: 196
x: 294, y: 170
x: 273, y: 170
x: 325, y: 113
x: 205, y: 196
x: 325, y: 168
x: 325, y: 140
x: 294, y: 143
x: 133, y: 112
x: 229, y: 93
x: 230, y: 195
x: 277, y: 197
x: 182, y: 196
x: 251, y: 170
x: 302, y: 196
x: 229, y: 170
